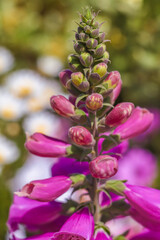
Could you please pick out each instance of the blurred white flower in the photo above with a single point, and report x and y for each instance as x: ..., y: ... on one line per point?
x: 41, y: 99
x: 50, y: 65
x: 34, y: 168
x: 25, y: 83
x: 6, y: 60
x: 42, y: 122
x: 9, y: 152
x: 11, y: 108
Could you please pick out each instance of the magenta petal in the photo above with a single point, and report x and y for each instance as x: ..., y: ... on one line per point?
x: 101, y: 235
x: 45, y: 146
x: 32, y: 213
x: 67, y: 166
x: 79, y: 226
x: 146, y: 204
x: 47, y: 189
x: 137, y: 123
x: 45, y: 236
x: 148, y: 235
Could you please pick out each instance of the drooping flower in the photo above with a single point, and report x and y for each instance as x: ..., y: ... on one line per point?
x: 79, y: 226
x: 119, y: 114
x: 100, y: 234
x: 46, y: 190
x: 103, y: 167
x: 145, y: 203
x: 33, y: 214
x: 139, y: 121
x: 45, y: 146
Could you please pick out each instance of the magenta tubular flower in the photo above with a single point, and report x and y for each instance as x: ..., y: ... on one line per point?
x: 146, y: 205
x: 140, y: 170
x: 45, y: 236
x: 64, y: 76
x: 67, y: 166
x: 103, y: 167
x: 46, y: 190
x: 100, y: 234
x: 119, y: 114
x: 147, y: 235
x: 79, y: 226
x: 45, y: 146
x: 139, y: 121
x: 62, y: 106
x: 33, y: 214
x: 80, y: 136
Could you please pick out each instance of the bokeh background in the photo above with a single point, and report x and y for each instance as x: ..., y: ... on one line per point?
x: 35, y: 39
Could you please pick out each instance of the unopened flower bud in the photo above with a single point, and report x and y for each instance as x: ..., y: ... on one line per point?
x: 62, y: 106
x: 46, y: 190
x: 74, y: 63
x: 80, y: 29
x: 87, y: 29
x: 95, y: 24
x: 101, y: 37
x: 91, y: 43
x: 105, y: 57
x: 80, y: 136
x: 94, y: 101
x: 64, y: 76
x: 103, y: 167
x: 100, y: 50
x: 84, y: 37
x: 79, y: 48
x: 101, y: 69
x: 112, y: 79
x: 119, y: 114
x: 71, y: 88
x: 86, y: 59
x: 94, y: 78
x: 94, y: 33
x: 77, y: 78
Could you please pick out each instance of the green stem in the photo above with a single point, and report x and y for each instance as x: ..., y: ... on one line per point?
x: 95, y: 196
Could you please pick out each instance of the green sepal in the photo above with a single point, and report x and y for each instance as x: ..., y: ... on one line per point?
x: 77, y: 179
x: 101, y: 225
x: 115, y: 186
x: 81, y: 96
x: 109, y: 142
x: 120, y: 238
x: 117, y: 208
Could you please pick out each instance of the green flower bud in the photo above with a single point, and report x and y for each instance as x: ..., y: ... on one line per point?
x: 94, y: 33
x: 77, y: 78
x: 94, y: 78
x: 84, y: 37
x: 79, y: 48
x: 101, y: 69
x: 100, y: 50
x: 86, y: 59
x: 101, y: 37
x: 74, y: 91
x: 74, y: 63
x: 95, y: 25
x: 87, y: 29
x: 91, y: 43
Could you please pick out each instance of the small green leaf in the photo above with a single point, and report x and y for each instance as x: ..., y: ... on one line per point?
x: 80, y: 98
x: 115, y: 186
x: 77, y: 178
x: 120, y: 238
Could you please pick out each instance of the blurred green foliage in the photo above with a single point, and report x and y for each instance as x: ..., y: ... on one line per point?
x: 33, y: 28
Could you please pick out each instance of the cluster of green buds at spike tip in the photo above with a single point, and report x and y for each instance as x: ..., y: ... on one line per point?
x: 89, y: 62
